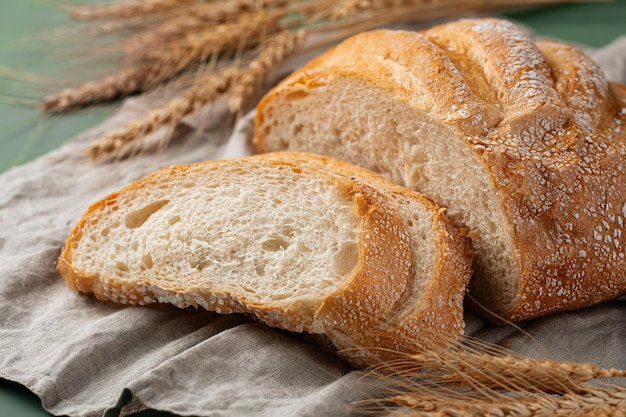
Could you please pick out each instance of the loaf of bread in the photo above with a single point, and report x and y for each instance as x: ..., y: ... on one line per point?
x: 524, y: 142
x: 301, y: 242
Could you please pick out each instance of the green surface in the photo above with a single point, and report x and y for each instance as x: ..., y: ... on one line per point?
x: 24, y: 135
x: 24, y: 132
x: 17, y: 401
x: 593, y: 23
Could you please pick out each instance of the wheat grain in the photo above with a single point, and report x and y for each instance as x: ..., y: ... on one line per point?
x: 344, y: 9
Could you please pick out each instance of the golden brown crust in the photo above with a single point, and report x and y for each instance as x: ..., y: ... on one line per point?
x: 384, y: 263
x: 544, y: 121
x: 438, y: 321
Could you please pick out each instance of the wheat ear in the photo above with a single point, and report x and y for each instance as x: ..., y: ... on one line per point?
x: 594, y: 403
x: 255, y: 76
x: 123, y: 83
x: 164, y: 64
x: 206, y: 90
x: 126, y: 10
x: 472, y: 377
x: 506, y: 372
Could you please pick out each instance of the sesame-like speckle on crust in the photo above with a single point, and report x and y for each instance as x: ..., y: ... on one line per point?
x: 561, y: 177
x: 385, y: 260
x: 436, y: 318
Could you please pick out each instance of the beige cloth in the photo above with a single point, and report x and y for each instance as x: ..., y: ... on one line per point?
x: 83, y: 357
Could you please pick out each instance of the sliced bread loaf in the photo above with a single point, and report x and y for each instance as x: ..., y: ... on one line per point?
x: 300, y: 242
x: 523, y: 142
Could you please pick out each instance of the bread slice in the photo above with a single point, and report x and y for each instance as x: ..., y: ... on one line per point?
x: 431, y: 308
x: 298, y: 241
x: 523, y: 142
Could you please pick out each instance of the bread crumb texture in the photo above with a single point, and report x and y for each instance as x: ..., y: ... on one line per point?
x: 522, y: 140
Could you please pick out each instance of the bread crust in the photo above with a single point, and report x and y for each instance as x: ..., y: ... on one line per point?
x: 542, y: 120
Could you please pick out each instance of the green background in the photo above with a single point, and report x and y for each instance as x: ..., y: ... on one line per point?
x: 25, y: 134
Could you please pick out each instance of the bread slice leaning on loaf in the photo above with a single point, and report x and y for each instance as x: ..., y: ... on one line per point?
x: 430, y: 311
x: 524, y: 142
x: 300, y: 245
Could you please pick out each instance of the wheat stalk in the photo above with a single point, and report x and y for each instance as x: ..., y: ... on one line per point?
x: 501, y: 372
x: 595, y: 402
x: 163, y: 64
x: 472, y: 377
x: 477, y: 388
x: 209, y: 87
x: 255, y: 76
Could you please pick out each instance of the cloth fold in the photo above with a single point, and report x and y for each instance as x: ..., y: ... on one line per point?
x: 85, y: 358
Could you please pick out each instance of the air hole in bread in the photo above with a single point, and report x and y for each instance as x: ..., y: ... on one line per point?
x: 139, y: 217
x: 201, y: 265
x: 173, y: 220
x: 146, y: 260
x: 277, y: 297
x: 287, y: 230
x: 274, y: 245
x: 122, y: 266
x: 346, y: 258
x: 248, y: 290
